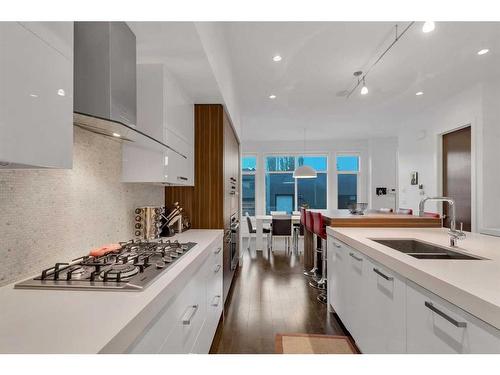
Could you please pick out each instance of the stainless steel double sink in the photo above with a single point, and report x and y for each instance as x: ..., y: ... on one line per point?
x: 422, y: 250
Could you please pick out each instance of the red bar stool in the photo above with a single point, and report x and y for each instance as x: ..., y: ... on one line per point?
x: 309, y: 223
x: 319, y: 230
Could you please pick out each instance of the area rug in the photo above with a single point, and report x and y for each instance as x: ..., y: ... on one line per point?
x: 298, y: 343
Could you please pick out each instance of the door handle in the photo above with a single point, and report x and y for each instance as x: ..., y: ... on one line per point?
x: 218, y: 250
x: 215, y: 304
x: 217, y: 268
x: 188, y: 316
x: 336, y: 244
x: 442, y: 314
x: 352, y: 255
x: 182, y: 178
x: 378, y: 272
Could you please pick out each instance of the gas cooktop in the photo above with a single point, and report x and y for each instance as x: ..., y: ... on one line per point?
x: 131, y: 267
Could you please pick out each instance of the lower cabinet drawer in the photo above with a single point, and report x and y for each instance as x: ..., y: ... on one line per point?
x: 158, y: 330
x: 189, y: 316
x: 437, y: 326
x: 188, y: 321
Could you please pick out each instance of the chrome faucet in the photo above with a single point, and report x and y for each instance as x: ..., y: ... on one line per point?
x: 455, y: 234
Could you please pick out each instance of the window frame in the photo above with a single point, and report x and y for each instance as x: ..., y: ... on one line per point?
x: 250, y: 173
x: 296, y: 156
x: 357, y: 173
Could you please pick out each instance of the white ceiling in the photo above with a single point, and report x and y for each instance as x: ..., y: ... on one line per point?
x: 318, y: 61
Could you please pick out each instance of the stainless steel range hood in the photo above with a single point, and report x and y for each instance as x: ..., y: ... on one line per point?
x: 105, y: 83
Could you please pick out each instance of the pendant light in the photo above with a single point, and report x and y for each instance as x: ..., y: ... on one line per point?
x: 305, y: 171
x: 364, y: 89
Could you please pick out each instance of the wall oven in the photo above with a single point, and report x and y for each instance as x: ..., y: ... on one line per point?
x: 234, y: 240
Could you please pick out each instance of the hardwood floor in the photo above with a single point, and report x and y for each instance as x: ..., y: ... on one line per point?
x: 270, y: 296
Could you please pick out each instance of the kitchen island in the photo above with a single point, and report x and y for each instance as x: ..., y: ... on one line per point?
x: 370, y: 219
x: 102, y: 321
x: 392, y: 302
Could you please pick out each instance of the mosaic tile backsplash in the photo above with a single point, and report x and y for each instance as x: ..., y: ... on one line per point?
x: 58, y: 215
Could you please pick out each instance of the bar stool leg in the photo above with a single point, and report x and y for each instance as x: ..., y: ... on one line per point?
x: 313, y: 271
x: 323, y: 281
x: 315, y: 282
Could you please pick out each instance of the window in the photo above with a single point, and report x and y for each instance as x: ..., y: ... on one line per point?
x: 347, y: 180
x: 248, y: 168
x: 285, y: 193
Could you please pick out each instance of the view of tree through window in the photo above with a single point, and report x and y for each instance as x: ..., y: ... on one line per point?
x: 347, y: 180
x: 285, y: 193
x: 248, y: 168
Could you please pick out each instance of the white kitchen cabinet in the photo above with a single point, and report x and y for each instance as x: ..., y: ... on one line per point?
x: 36, y: 94
x: 164, y: 112
x: 387, y: 313
x: 355, y: 275
x: 180, y: 169
x: 383, y: 321
x: 214, y: 302
x: 437, y: 326
x: 141, y: 164
x: 188, y: 321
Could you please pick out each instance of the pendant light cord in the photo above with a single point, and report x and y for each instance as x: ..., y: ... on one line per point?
x: 381, y: 56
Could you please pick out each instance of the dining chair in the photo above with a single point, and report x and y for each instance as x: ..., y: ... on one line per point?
x: 252, y: 230
x: 281, y: 226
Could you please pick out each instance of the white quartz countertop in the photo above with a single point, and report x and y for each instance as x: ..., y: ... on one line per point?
x: 473, y: 285
x: 83, y: 321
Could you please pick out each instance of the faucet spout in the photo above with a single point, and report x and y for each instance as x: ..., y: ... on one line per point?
x: 454, y: 233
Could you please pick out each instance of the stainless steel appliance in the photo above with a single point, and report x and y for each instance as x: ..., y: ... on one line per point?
x: 131, y: 267
x: 105, y: 83
x: 234, y: 240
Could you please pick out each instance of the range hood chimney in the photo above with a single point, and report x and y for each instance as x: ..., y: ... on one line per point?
x: 105, y: 82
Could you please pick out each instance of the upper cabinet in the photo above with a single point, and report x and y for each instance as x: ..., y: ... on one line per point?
x: 36, y: 94
x: 166, y: 113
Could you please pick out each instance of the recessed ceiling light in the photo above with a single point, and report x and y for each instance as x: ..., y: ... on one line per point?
x: 428, y: 26
x: 272, y: 96
x: 483, y: 51
x: 419, y: 93
x: 34, y: 95
x: 277, y: 58
x: 116, y: 135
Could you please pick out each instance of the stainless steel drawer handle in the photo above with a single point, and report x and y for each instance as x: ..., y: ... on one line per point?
x: 355, y: 257
x: 188, y: 316
x: 217, y: 268
x: 378, y: 272
x: 336, y: 244
x: 216, y: 301
x: 182, y: 178
x: 218, y: 250
x: 456, y: 323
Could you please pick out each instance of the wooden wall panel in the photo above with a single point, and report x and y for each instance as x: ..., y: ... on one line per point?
x: 209, y: 154
x: 182, y: 194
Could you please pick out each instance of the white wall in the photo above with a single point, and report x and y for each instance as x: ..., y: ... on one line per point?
x: 383, y: 172
x: 374, y: 160
x: 420, y: 150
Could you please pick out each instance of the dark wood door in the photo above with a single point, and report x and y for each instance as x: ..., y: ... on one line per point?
x: 457, y: 175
